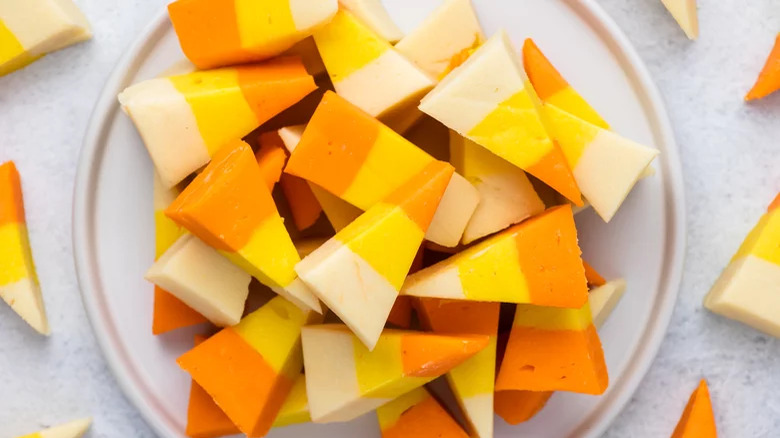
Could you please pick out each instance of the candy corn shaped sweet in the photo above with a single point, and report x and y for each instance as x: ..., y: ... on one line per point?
x: 74, y: 429
x: 748, y: 290
x: 472, y: 382
x: 229, y: 207
x: 518, y: 406
x: 295, y: 409
x: 216, y: 33
x: 698, y: 420
x: 374, y: 15
x: 18, y: 281
x: 444, y: 38
x: 606, y: 166
x: 33, y: 28
x: 358, y: 273
x: 417, y: 414
x: 202, y: 279
x: 204, y: 418
x: 367, y: 71
x: 170, y: 313
x: 489, y: 100
x: 552, y: 88
x: 185, y: 119
x: 506, y: 195
x: 537, y: 261
x: 553, y: 349
x: 262, y: 368
x: 769, y: 79
x: 345, y: 380
x: 684, y: 12
x: 352, y: 155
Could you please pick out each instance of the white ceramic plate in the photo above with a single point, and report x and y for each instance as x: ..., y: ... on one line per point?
x: 113, y: 226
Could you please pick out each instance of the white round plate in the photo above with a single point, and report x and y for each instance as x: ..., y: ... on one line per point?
x: 113, y: 226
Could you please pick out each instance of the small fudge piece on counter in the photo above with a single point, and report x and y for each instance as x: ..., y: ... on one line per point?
x: 185, y: 119
x: 355, y: 157
x: 30, y: 29
x: 217, y: 33
x: 203, y: 279
x: 489, y: 100
x: 345, y: 380
x: 768, y: 80
x: 229, y: 207
x: 698, y: 419
x: 367, y: 71
x: 73, y: 429
x: 417, y: 414
x: 684, y: 13
x: 263, y: 368
x: 536, y: 261
x: 748, y: 290
x: 358, y: 272
x: 19, y: 285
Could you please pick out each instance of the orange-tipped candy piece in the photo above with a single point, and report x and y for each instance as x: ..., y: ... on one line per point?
x: 769, y: 79
x: 698, y: 420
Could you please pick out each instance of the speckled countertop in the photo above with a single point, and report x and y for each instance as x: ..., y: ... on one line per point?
x: 730, y: 159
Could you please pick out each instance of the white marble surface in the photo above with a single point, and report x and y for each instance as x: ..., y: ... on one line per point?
x: 732, y: 170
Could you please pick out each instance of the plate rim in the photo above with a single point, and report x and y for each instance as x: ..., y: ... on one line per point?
x: 651, y: 338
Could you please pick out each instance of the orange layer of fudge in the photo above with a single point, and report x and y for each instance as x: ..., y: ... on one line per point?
x: 19, y: 285
x: 185, y: 119
x: 271, y: 158
x: 768, y: 80
x: 352, y: 155
x: 489, y: 100
x: 698, y: 420
x: 748, y: 290
x: 345, y: 380
x: 552, y: 88
x: 472, y: 382
x: 417, y: 414
x: 170, y: 313
x: 204, y: 418
x: 215, y: 33
x: 358, y: 272
x: 553, y: 349
x: 262, y: 368
x: 229, y: 207
x: 537, y: 261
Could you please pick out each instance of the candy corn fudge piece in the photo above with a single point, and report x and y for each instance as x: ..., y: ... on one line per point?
x: 489, y: 100
x: 553, y: 349
x: 367, y: 71
x: 352, y: 155
x: 184, y: 120
x: 271, y: 156
x: 552, y: 88
x: 202, y: 279
x: 472, y: 382
x: 518, y: 406
x: 33, y: 28
x: 505, y: 193
x: 18, y: 281
x: 537, y: 261
x: 698, y: 420
x: 604, y: 298
x: 262, y: 368
x: 229, y: 207
x: 204, y: 418
x: 216, y: 33
x: 374, y: 15
x: 295, y: 409
x: 417, y: 414
x: 684, y: 12
x: 748, y: 290
x: 358, y: 272
x: 443, y: 38
x: 345, y: 380
x: 170, y: 313
x: 74, y: 429
x: 769, y: 79
x: 606, y: 166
